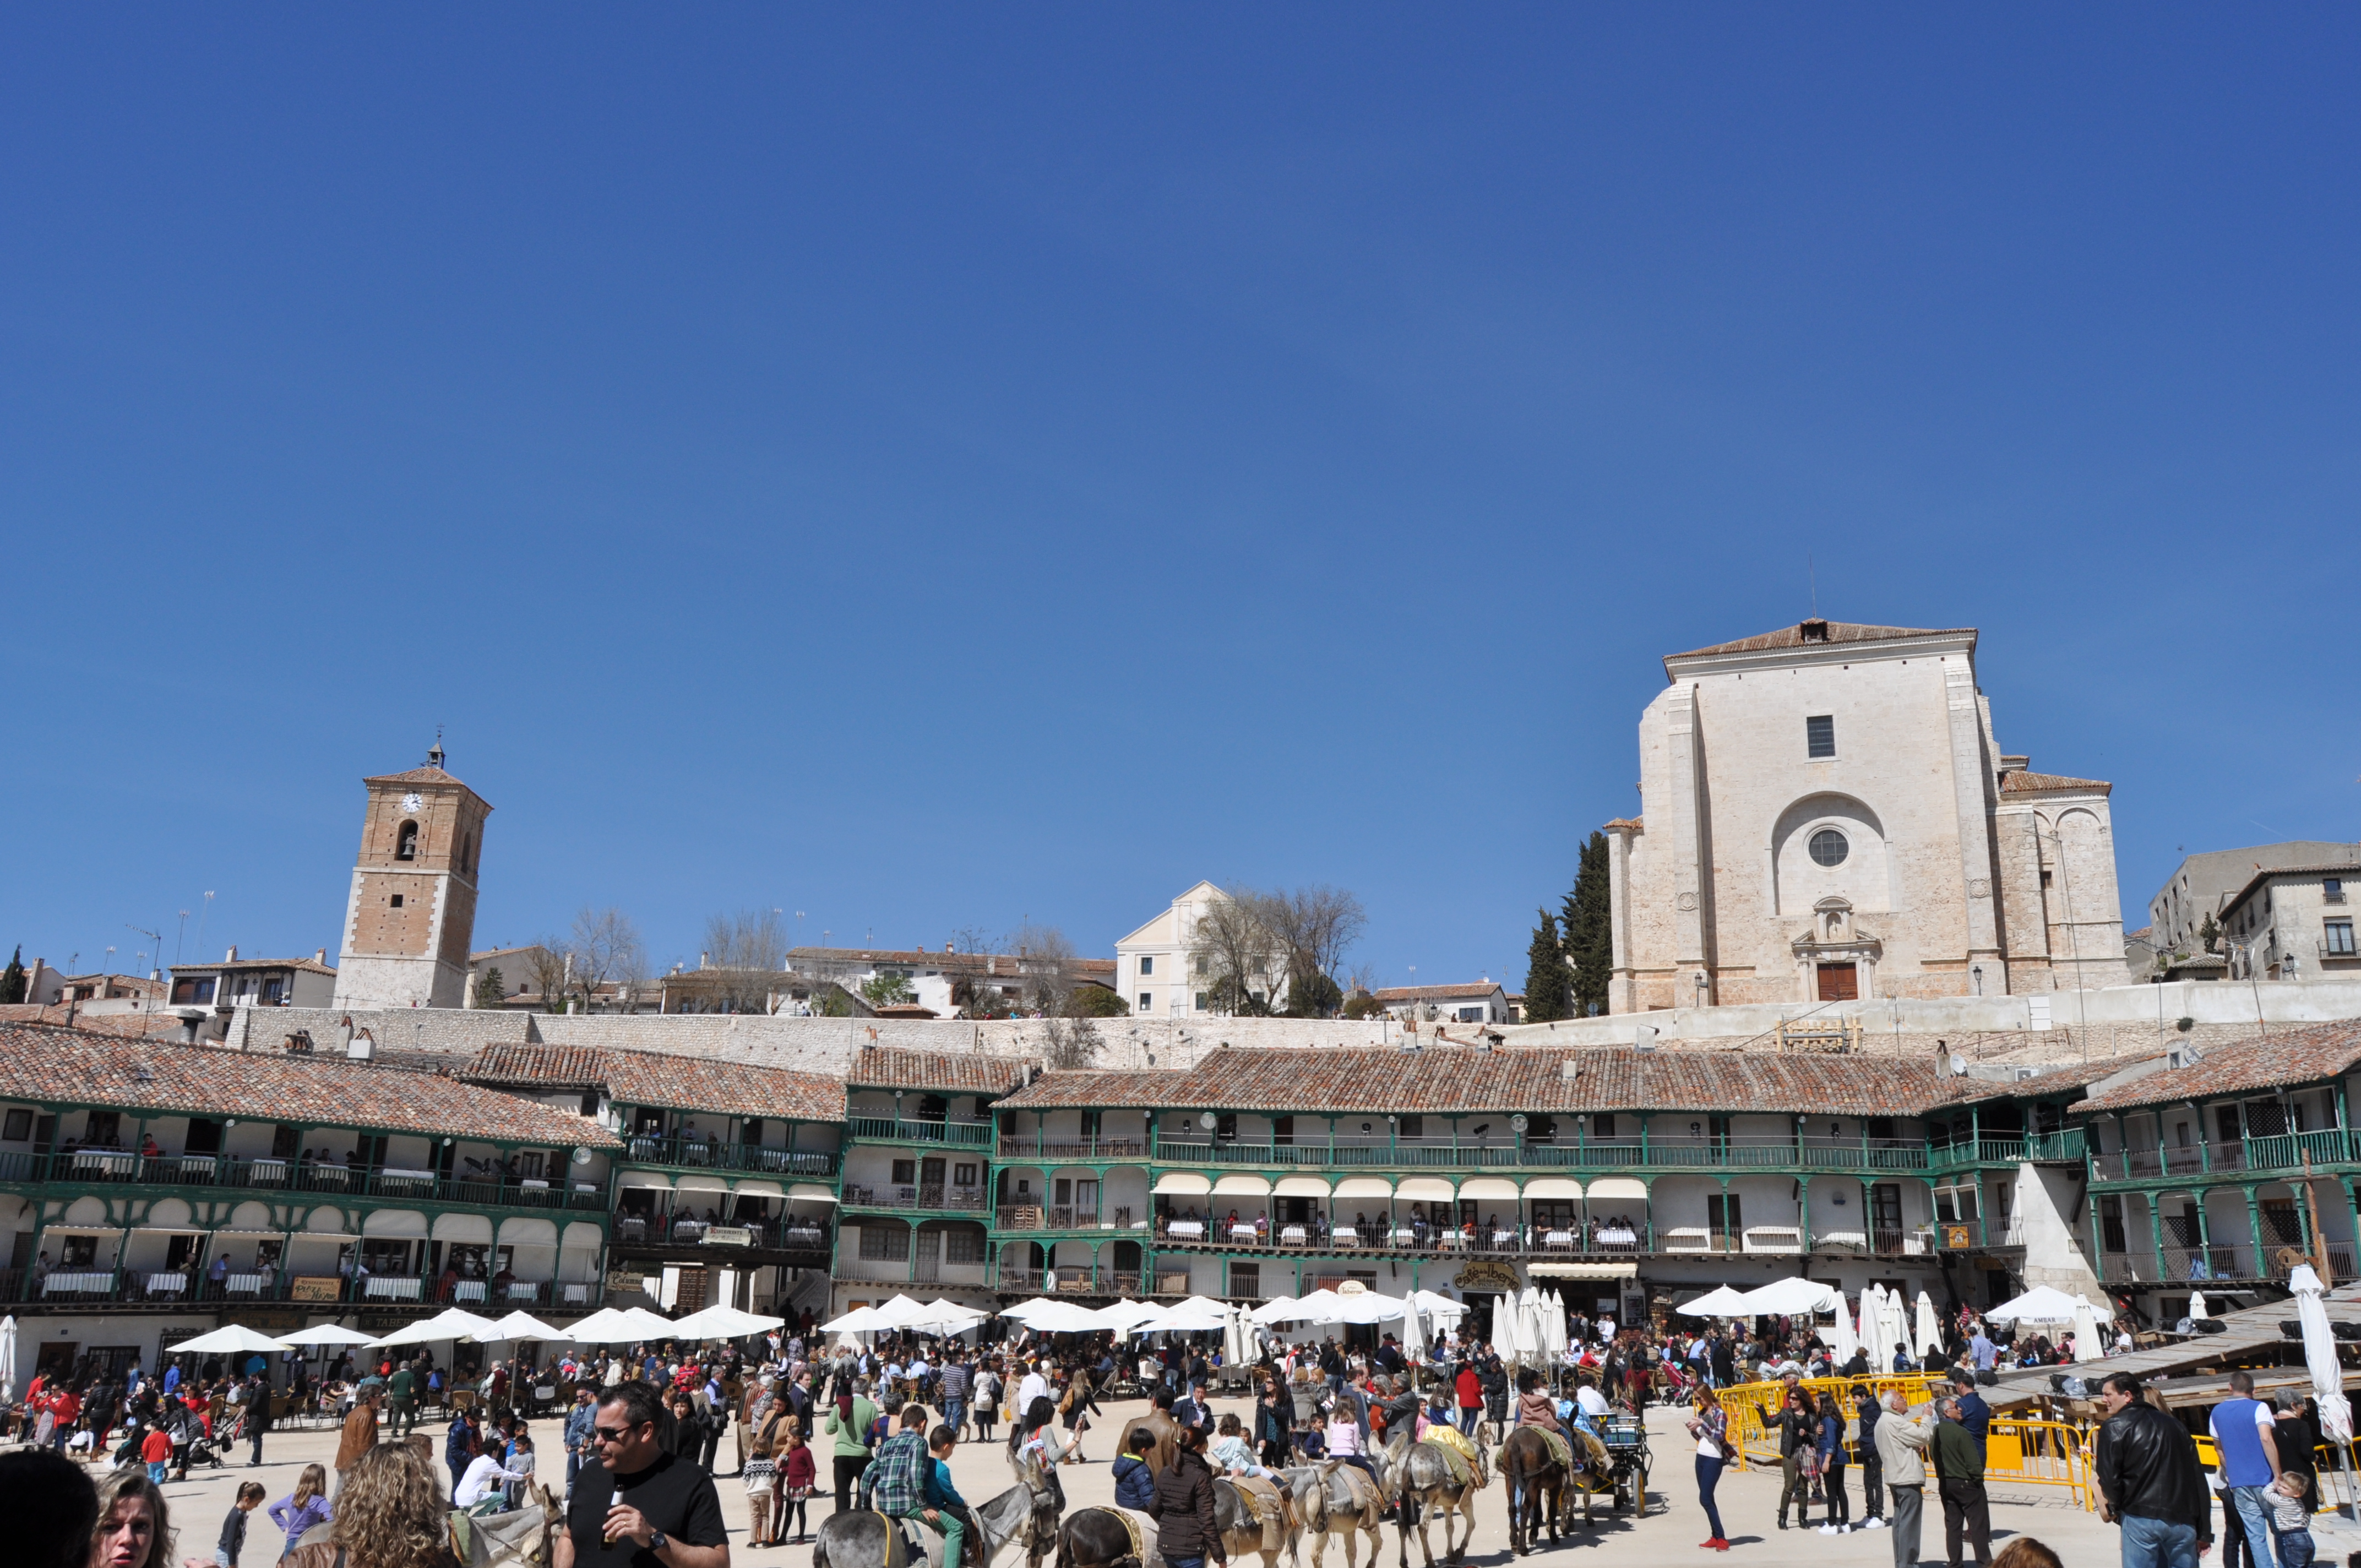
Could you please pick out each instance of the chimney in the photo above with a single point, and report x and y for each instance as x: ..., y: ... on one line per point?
x: 231, y: 957
x: 1813, y: 630
x: 320, y: 956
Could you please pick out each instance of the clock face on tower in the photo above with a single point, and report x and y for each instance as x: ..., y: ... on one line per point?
x: 413, y: 801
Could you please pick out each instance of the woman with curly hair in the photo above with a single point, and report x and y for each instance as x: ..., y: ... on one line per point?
x: 135, y: 1528
x: 391, y: 1513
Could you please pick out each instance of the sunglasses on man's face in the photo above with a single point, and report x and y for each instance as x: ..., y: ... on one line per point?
x: 611, y: 1434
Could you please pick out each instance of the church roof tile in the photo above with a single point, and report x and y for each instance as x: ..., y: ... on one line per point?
x: 1824, y: 632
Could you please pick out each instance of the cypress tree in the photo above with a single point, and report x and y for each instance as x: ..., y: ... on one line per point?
x: 1548, y: 984
x: 12, y: 980
x: 1590, y: 929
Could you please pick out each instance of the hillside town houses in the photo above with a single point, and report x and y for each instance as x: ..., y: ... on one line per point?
x: 1873, y: 1018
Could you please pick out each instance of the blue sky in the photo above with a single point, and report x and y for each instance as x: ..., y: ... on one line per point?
x: 932, y: 467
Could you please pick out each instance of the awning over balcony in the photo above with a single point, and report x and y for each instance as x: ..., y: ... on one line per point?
x: 811, y: 1192
x: 1426, y: 1190
x: 1235, y: 1186
x: 1553, y: 1186
x: 758, y: 1190
x: 1623, y: 1188
x: 1583, y: 1270
x: 1365, y: 1187
x: 1493, y: 1187
x: 467, y: 1230
x: 1299, y: 1187
x: 655, y: 1179
x: 1185, y: 1182
x: 394, y: 1223
x: 699, y: 1183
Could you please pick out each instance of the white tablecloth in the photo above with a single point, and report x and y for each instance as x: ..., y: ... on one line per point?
x: 1344, y: 1233
x: 113, y: 1162
x: 266, y: 1172
x: 1616, y: 1236
x: 196, y: 1165
x: 69, y: 1284
x: 534, y: 1182
x: 391, y: 1289
x: 1242, y: 1233
x: 1504, y: 1238
x: 467, y: 1290
x: 255, y: 1284
x: 392, y: 1175
x: 167, y: 1284
x: 1292, y: 1234
x: 1192, y: 1229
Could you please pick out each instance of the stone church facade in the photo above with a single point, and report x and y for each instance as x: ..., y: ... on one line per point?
x: 1827, y: 816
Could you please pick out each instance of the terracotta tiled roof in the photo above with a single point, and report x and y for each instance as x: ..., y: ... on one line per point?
x: 2022, y: 782
x: 308, y: 965
x: 527, y: 1065
x: 2286, y: 1059
x: 959, y: 1072
x: 1463, y: 1080
x: 1437, y: 993
x: 1838, y: 632
x: 416, y: 776
x: 80, y: 1067
x: 654, y: 1077
x: 160, y: 1023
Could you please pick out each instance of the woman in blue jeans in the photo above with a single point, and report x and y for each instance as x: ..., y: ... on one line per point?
x: 1710, y: 1427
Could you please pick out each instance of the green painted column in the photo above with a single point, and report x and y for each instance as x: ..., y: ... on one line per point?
x: 2204, y: 1146
x: 2098, y: 1241
x: 2255, y: 1221
x: 2156, y: 1230
x: 1804, y: 1212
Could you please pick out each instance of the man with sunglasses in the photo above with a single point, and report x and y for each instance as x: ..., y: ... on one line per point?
x: 635, y: 1506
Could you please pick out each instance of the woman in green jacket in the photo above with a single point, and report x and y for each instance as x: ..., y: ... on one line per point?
x: 848, y: 1421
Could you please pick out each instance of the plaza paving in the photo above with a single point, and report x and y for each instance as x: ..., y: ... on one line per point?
x: 1672, y: 1528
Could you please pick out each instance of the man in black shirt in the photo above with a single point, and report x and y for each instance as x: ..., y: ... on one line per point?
x: 638, y: 1506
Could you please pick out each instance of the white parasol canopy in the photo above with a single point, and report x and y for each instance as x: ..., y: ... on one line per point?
x: 230, y: 1338
x: 1123, y: 1313
x: 2044, y: 1304
x: 1413, y: 1332
x: 1893, y: 1328
x: 608, y: 1325
x: 451, y: 1323
x: 2197, y: 1313
x: 1060, y: 1317
x: 2320, y: 1354
x: 1790, y: 1298
x: 1445, y: 1312
x: 325, y: 1333
x: 859, y: 1320
x: 8, y: 1357
x: 652, y: 1325
x: 1870, y: 1332
x: 1277, y: 1310
x: 724, y: 1323
x: 521, y: 1324
x: 1182, y: 1319
x: 1927, y: 1340
x: 1721, y: 1301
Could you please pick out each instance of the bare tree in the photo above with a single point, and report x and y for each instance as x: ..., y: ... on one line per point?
x: 1236, y: 957
x: 1045, y: 964
x: 745, y: 954
x: 605, y: 948
x: 550, y: 971
x: 1071, y: 1043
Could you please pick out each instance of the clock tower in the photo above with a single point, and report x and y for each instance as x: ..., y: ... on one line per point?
x: 412, y: 916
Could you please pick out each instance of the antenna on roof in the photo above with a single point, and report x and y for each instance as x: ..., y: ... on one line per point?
x: 434, y: 758
x: 1812, y: 576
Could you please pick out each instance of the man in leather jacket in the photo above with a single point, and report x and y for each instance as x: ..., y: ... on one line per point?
x: 2150, y: 1475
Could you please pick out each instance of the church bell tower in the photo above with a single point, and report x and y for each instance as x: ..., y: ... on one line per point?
x: 412, y: 916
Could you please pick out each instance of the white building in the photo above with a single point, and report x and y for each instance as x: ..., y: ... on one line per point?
x: 1478, y: 1002
x: 1827, y: 815
x: 2294, y: 922
x: 1151, y: 964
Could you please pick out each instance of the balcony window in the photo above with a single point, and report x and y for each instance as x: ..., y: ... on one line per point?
x: 885, y: 1243
x: 2337, y: 937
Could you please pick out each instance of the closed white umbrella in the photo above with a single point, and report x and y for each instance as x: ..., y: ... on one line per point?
x: 1413, y: 1334
x: 227, y: 1340
x: 1891, y: 1327
x: 2197, y: 1311
x: 2086, y: 1331
x: 8, y: 1358
x: 2320, y: 1354
x: 1928, y: 1340
x: 1843, y: 1341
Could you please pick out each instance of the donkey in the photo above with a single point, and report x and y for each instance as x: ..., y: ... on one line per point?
x: 1420, y: 1477
x: 1538, y: 1483
x: 1332, y: 1498
x: 1027, y: 1512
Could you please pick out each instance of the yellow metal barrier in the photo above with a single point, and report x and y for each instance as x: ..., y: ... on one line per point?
x: 2018, y: 1452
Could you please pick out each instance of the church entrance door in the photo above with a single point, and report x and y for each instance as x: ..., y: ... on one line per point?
x: 1839, y: 983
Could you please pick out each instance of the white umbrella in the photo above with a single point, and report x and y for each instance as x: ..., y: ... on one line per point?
x: 1721, y: 1301
x: 1785, y: 1298
x: 2086, y: 1331
x: 1891, y: 1328
x: 230, y: 1338
x: 1060, y: 1318
x: 1023, y: 1311
x: 1413, y: 1332
x: 2320, y: 1354
x: 724, y: 1323
x: 901, y: 1312
x: 952, y: 1318
x: 8, y: 1358
x: 652, y: 1325
x: 451, y: 1323
x: 1121, y: 1312
x: 1275, y: 1310
x: 1318, y: 1307
x: 1843, y: 1341
x: 1368, y: 1307
x: 1182, y: 1319
x: 2044, y: 1304
x: 1445, y: 1312
x: 2196, y: 1306
x: 521, y: 1324
x: 608, y: 1325
x: 326, y: 1333
x: 859, y: 1320
x: 1928, y: 1339
x: 1233, y: 1346
x: 1871, y: 1333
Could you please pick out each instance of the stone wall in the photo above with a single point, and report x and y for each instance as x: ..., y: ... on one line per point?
x: 2136, y: 1020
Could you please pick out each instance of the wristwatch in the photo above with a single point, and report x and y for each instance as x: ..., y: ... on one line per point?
x: 658, y: 1541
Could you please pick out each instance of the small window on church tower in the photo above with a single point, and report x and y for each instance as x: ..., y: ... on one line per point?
x: 405, y: 847
x: 1820, y: 735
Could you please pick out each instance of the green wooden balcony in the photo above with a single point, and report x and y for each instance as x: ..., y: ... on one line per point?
x: 903, y: 1130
